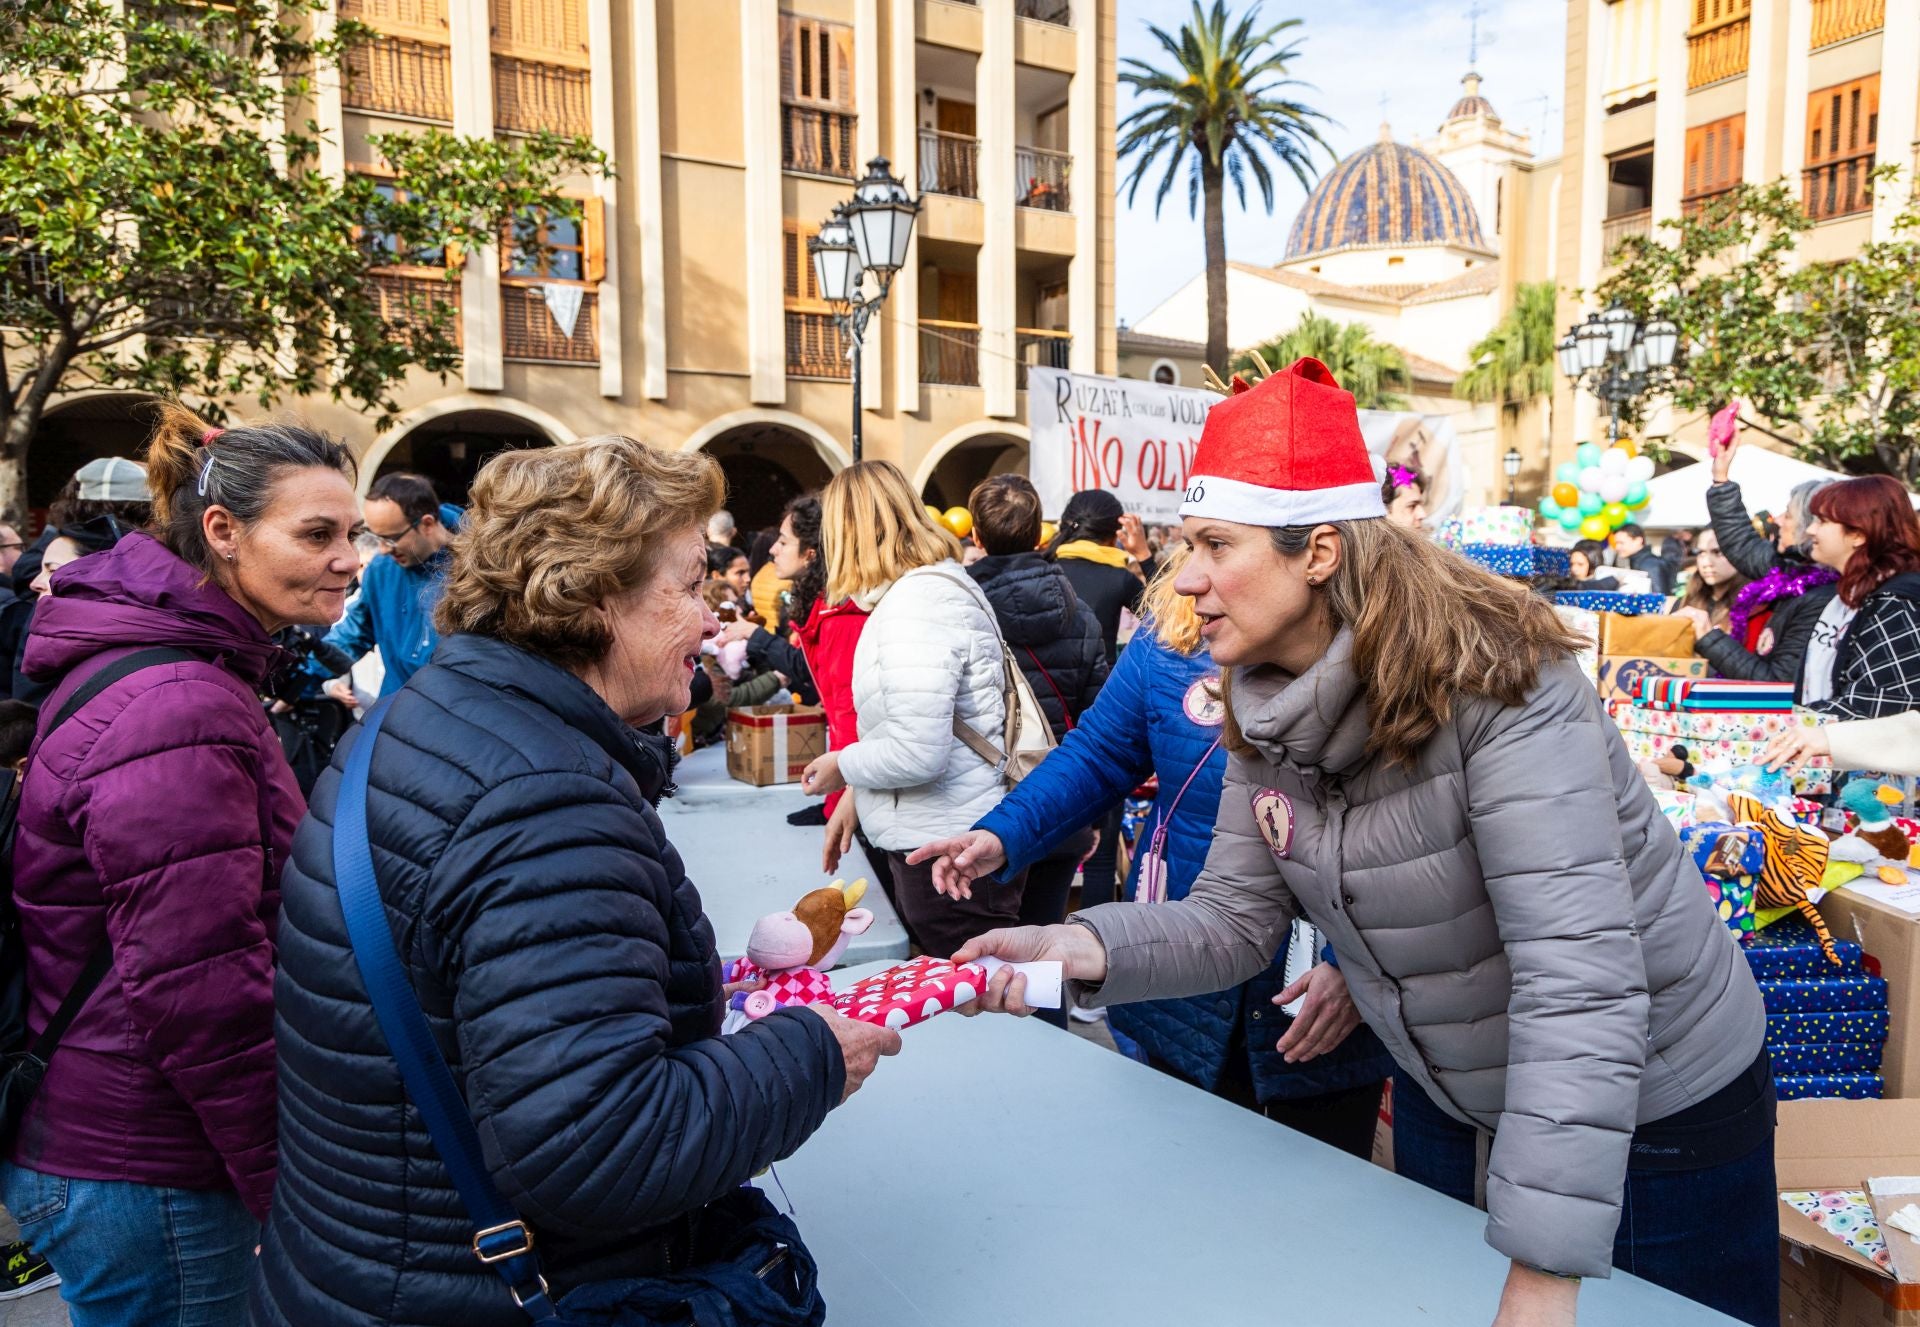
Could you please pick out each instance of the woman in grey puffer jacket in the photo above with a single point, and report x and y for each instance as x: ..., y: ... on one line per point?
x: 1421, y: 769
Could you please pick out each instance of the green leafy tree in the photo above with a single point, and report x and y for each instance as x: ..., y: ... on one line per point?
x: 1514, y: 362
x: 1826, y: 356
x: 164, y: 226
x: 1375, y: 371
x: 1218, y: 111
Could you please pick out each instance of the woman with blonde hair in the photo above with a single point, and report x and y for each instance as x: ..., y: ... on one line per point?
x: 929, y: 659
x: 500, y: 809
x: 1160, y: 714
x: 1420, y: 768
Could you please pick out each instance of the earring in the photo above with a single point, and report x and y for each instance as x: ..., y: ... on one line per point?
x: 229, y: 557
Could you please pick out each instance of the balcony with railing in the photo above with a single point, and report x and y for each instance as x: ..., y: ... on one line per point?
x: 817, y: 142
x: 1040, y: 178
x: 397, y: 76
x: 529, y: 96
x: 1838, y: 20
x: 1617, y: 228
x: 949, y: 163
x: 530, y: 331
x: 413, y: 301
x: 949, y: 353
x: 1838, y: 188
x: 1040, y: 349
x: 1718, y: 49
x: 815, y: 347
x: 1058, y: 12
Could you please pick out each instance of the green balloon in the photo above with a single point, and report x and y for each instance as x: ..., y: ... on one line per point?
x: 1638, y: 497
x: 1569, y: 519
x: 1590, y: 503
x: 1568, y: 474
x: 1587, y: 454
x: 1550, y: 509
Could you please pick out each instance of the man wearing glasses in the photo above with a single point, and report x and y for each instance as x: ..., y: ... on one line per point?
x: 393, y: 612
x: 10, y: 546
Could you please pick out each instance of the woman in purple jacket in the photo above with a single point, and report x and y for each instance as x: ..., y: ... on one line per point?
x: 153, y: 824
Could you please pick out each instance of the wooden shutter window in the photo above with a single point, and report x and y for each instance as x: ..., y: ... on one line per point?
x: 1843, y: 120
x: 816, y: 63
x: 798, y: 282
x: 1714, y: 154
x: 547, y: 31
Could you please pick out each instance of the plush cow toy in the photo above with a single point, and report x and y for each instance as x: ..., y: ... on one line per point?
x: 793, y: 951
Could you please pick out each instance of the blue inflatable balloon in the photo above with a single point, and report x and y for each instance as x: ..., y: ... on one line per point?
x: 1637, y: 497
x: 1568, y: 474
x: 1587, y: 454
x: 1569, y: 519
x: 1590, y: 504
x: 1549, y: 509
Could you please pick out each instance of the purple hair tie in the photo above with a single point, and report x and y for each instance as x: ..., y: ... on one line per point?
x: 1401, y: 476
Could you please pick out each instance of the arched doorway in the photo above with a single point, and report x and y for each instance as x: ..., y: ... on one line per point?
x: 767, y: 465
x: 955, y: 471
x: 82, y: 429
x: 450, y: 449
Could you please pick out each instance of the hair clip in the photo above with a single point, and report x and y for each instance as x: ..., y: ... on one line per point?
x: 206, y: 473
x: 1402, y: 476
x: 210, y: 435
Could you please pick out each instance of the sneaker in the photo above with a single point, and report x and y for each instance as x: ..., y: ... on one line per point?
x: 25, y: 1272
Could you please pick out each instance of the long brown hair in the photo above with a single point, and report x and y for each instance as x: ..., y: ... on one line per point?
x: 1879, y: 508
x: 1429, y: 628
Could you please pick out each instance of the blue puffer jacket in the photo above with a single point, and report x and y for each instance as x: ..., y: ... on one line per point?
x: 570, y: 978
x: 1157, y: 714
x: 394, y: 612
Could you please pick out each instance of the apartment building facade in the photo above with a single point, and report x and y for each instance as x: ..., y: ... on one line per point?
x: 682, y: 309
x: 1671, y: 102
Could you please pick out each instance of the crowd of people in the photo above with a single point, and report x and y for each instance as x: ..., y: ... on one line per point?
x: 1391, y: 837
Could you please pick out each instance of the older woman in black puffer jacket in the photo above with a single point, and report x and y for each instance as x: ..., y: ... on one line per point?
x: 553, y: 939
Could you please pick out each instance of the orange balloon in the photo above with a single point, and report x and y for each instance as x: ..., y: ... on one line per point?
x: 1567, y: 495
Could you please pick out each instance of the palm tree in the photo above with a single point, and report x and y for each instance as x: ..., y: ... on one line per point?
x: 1513, y: 363
x: 1218, y: 109
x: 1374, y: 371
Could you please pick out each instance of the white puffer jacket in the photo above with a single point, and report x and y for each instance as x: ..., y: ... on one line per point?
x: 931, y: 650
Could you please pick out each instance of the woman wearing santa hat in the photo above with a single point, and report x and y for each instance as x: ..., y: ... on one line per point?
x: 1422, y: 770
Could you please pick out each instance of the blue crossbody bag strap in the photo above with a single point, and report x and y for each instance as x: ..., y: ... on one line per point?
x: 503, y: 1241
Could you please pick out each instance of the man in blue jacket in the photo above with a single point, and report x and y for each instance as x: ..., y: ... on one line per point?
x: 393, y: 612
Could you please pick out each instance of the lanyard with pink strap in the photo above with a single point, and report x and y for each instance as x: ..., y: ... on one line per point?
x: 1151, y: 884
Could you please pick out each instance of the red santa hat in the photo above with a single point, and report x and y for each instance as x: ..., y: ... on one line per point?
x: 1287, y: 452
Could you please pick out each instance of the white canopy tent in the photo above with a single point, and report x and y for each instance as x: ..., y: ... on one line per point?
x: 1678, y: 499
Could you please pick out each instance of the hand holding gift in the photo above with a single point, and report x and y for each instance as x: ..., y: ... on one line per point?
x: 1075, y: 948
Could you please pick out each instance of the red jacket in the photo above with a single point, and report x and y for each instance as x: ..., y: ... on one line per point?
x: 828, y: 638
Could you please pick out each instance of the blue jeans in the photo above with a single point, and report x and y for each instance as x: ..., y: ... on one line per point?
x: 1708, y: 1234
x: 137, y: 1255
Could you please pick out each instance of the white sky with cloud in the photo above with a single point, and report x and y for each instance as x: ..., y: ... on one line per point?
x: 1352, y: 52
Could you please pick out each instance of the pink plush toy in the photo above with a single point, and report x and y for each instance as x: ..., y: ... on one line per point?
x: 793, y: 951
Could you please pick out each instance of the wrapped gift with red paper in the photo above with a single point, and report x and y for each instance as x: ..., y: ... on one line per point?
x: 912, y: 992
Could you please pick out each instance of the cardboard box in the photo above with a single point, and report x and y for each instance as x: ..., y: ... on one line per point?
x: 1892, y: 937
x: 1843, y: 1145
x: 1655, y: 635
x: 768, y: 744
x: 1620, y: 674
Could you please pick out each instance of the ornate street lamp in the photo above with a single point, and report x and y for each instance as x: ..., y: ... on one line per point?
x: 868, y: 233
x: 1511, y: 464
x: 1619, y: 359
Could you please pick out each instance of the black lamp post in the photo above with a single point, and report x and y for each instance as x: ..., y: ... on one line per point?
x: 869, y: 233
x: 1511, y: 464
x: 1619, y: 359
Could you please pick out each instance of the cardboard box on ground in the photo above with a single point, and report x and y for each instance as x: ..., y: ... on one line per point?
x: 769, y: 744
x: 1827, y: 1144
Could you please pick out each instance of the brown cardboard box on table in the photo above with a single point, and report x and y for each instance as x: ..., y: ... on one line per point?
x: 1620, y: 674
x: 769, y: 744
x: 1651, y: 636
x: 1892, y: 937
x: 1835, y: 1144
